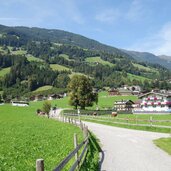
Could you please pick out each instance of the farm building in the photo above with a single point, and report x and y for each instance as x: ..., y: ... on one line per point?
x: 123, y: 105
x: 113, y: 92
x: 125, y: 92
x: 155, y: 102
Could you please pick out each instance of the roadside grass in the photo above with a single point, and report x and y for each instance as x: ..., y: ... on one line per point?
x: 57, y: 67
x: 92, y: 158
x: 4, y: 71
x: 26, y: 137
x: 43, y: 88
x: 97, y: 59
x: 164, y: 144
x: 143, y: 128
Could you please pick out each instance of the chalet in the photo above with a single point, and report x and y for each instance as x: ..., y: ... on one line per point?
x: 125, y: 92
x: 123, y: 105
x: 54, y: 96
x: 113, y: 92
x: 154, y: 102
x: 39, y: 97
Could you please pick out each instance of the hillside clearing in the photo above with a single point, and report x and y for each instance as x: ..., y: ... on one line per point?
x: 43, y: 88
x: 97, y: 60
x: 136, y: 77
x: 57, y: 67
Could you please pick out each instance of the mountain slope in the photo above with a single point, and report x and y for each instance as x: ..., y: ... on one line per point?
x: 64, y: 37
x: 149, y: 57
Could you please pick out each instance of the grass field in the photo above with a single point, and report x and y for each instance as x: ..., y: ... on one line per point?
x: 98, y: 60
x: 57, y: 67
x: 66, y: 57
x: 136, y: 77
x: 26, y: 137
x: 164, y: 143
x: 144, y: 68
x: 32, y: 58
x: 106, y: 101
x: 4, y: 71
x: 43, y: 88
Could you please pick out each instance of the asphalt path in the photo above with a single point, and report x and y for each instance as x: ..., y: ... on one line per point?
x: 130, y: 150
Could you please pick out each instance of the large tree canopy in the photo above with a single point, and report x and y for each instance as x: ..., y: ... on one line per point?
x: 81, y: 92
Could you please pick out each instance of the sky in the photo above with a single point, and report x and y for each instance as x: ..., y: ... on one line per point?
x: 140, y: 25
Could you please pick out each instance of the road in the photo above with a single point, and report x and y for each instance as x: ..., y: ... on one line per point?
x: 130, y: 150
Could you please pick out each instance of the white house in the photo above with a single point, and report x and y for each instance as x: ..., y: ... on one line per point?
x: 19, y: 103
x: 153, y: 102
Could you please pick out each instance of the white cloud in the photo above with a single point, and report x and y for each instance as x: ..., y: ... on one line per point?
x: 108, y: 15
x: 135, y: 11
x: 158, y: 43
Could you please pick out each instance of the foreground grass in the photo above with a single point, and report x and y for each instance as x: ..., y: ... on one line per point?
x: 26, y: 137
x: 92, y: 157
x: 164, y: 144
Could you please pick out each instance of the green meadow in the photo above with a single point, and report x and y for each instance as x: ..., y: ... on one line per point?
x: 57, y: 67
x: 26, y: 137
x: 98, y: 60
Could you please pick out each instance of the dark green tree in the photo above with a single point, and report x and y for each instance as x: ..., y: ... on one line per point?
x: 46, y: 107
x: 80, y: 92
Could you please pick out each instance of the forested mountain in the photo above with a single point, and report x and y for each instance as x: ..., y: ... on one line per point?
x: 150, y: 58
x: 31, y: 58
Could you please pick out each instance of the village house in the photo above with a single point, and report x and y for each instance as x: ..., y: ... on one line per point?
x: 123, y: 105
x: 125, y: 92
x: 154, y: 102
x: 113, y: 92
x: 20, y: 103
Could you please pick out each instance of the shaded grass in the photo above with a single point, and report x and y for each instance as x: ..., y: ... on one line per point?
x: 164, y: 144
x: 92, y: 158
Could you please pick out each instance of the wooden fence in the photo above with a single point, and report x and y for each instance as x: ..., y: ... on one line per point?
x: 79, y: 159
x: 127, y: 121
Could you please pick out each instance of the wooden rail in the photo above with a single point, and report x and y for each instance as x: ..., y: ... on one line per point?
x: 78, y: 158
x: 150, y: 121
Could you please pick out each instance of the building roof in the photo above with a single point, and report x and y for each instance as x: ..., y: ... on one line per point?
x: 123, y: 101
x: 160, y: 94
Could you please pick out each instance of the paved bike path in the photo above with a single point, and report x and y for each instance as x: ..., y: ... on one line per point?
x: 130, y: 150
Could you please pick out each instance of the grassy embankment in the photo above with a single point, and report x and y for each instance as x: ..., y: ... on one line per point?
x: 164, y: 144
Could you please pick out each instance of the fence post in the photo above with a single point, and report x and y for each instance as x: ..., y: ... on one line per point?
x: 39, y: 165
x: 151, y: 121
x: 75, y: 146
x: 136, y: 120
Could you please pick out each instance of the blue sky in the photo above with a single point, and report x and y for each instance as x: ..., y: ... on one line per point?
x: 142, y: 25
